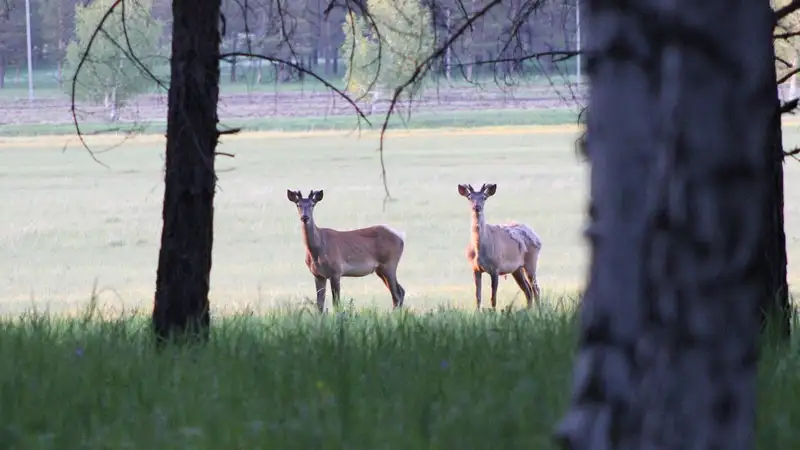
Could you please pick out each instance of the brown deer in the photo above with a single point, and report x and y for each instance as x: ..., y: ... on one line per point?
x: 332, y: 254
x: 501, y: 249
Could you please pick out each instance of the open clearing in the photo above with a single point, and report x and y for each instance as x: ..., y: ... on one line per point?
x: 287, y: 379
x: 68, y: 221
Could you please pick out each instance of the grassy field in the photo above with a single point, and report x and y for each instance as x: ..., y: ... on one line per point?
x: 366, y: 380
x: 69, y: 222
x: 346, y: 123
x: 436, y: 376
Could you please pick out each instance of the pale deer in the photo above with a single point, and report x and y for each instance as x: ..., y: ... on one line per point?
x: 501, y: 249
x: 333, y: 254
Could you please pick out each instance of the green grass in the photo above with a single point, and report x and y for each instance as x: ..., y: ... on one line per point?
x: 434, y: 376
x: 68, y: 222
x: 293, y: 380
x: 289, y: 380
x: 449, y: 119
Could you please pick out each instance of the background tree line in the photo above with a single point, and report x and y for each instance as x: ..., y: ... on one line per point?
x: 306, y: 32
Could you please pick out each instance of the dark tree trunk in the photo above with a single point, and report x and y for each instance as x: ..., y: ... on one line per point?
x: 775, y: 307
x: 181, y: 307
x: 682, y: 103
x: 2, y: 72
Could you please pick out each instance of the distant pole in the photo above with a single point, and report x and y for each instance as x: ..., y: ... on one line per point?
x: 577, y: 39
x: 30, y: 57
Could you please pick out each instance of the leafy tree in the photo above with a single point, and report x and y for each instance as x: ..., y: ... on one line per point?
x: 387, y: 49
x: 109, y: 74
x: 58, y: 27
x: 12, y: 38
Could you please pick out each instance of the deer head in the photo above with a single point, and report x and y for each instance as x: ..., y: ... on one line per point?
x: 477, y: 198
x: 305, y: 206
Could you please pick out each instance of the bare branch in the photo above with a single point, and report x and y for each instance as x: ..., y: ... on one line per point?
x: 300, y: 68
x: 788, y: 75
x: 786, y: 10
x: 419, y: 72
x: 229, y: 131
x: 75, y: 79
x: 786, y: 35
x: 790, y: 106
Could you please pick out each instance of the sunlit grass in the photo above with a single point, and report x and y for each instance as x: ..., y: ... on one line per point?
x: 367, y: 379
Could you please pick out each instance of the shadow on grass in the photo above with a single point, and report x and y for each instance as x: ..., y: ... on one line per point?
x: 294, y: 379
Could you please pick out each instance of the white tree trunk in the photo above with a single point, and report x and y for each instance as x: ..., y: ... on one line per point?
x: 670, y: 321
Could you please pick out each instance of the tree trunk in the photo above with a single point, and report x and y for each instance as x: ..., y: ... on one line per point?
x: 2, y: 72
x: 181, y: 308
x: 669, y: 323
x: 775, y: 307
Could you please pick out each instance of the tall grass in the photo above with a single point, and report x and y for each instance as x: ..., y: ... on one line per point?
x: 367, y: 380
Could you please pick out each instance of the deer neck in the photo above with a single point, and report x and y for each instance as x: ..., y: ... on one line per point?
x: 312, y: 238
x: 478, y: 230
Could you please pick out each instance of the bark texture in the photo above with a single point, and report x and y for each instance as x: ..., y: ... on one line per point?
x: 181, y: 306
x: 776, y: 310
x: 681, y: 106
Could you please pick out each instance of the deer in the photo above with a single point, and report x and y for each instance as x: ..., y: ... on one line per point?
x: 511, y: 248
x: 333, y: 254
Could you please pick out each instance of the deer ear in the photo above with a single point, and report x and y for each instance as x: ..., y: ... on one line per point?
x: 490, y: 189
x: 462, y: 190
x: 292, y: 196
x: 317, y: 196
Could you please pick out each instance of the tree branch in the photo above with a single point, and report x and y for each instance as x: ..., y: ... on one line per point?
x: 300, y: 68
x: 788, y: 75
x: 786, y: 10
x: 419, y: 72
x: 75, y: 80
x: 787, y: 107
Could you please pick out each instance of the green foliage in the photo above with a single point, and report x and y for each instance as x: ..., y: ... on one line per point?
x: 58, y: 26
x: 447, y: 379
x: 12, y: 34
x: 291, y: 380
x: 386, y: 51
x: 109, y: 75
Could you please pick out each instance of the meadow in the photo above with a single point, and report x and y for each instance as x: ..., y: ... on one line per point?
x: 80, y: 243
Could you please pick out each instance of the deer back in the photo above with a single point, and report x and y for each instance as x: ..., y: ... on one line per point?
x: 362, y: 250
x: 503, y: 248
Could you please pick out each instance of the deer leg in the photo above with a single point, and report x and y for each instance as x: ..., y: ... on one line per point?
x: 537, y: 292
x: 477, y: 275
x: 335, y: 290
x: 390, y: 280
x: 319, y: 283
x: 495, y: 278
x: 522, y: 282
x: 532, y: 260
